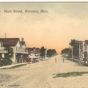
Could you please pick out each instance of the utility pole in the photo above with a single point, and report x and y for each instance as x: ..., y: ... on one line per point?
x: 5, y: 35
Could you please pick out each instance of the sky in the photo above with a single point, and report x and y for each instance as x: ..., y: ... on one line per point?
x: 53, y: 29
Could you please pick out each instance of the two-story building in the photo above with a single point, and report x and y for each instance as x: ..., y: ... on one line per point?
x: 83, y: 51
x: 19, y: 48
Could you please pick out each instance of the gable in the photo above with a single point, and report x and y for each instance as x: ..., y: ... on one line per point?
x: 9, y: 41
x: 18, y: 44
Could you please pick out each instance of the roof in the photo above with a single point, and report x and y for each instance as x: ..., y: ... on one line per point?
x: 86, y: 41
x: 31, y: 49
x: 9, y: 41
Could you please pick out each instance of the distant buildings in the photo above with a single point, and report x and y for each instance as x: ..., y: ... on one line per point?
x: 34, y: 54
x: 20, y: 54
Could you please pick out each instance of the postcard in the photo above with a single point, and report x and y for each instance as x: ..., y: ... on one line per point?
x: 43, y: 45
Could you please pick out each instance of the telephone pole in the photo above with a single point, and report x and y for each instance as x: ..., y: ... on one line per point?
x: 5, y: 35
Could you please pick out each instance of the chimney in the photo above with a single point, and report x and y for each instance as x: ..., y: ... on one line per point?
x: 22, y: 39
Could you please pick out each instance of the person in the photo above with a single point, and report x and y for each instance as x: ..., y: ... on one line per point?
x: 55, y: 60
x: 63, y: 59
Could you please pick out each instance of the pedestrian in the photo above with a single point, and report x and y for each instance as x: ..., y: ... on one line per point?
x: 55, y: 60
x: 63, y: 59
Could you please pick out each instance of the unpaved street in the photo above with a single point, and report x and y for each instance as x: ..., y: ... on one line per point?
x: 40, y: 75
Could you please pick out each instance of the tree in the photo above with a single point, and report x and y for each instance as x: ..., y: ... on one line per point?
x: 75, y: 44
x: 72, y: 43
x: 51, y: 52
x: 7, y: 59
x: 54, y: 52
x: 65, y: 51
x: 42, y: 51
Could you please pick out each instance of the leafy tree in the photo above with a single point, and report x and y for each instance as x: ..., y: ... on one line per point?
x: 10, y: 52
x: 65, y: 51
x: 51, y: 52
x: 54, y: 51
x: 75, y: 44
x: 72, y: 43
x: 42, y: 52
x: 7, y: 59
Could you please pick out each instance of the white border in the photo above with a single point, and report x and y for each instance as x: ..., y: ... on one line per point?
x: 43, y: 0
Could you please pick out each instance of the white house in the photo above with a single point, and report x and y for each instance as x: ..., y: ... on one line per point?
x: 19, y: 48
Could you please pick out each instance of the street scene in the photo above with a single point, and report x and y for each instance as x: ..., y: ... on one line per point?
x: 43, y: 45
x: 40, y: 75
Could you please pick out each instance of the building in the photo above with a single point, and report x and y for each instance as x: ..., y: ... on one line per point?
x: 78, y: 51
x: 3, y: 50
x: 34, y: 54
x: 19, y: 49
x: 85, y: 49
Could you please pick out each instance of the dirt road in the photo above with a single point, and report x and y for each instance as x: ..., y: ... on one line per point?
x: 40, y: 75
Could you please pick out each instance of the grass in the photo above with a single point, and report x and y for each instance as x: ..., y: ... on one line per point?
x: 16, y: 66
x: 69, y: 74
